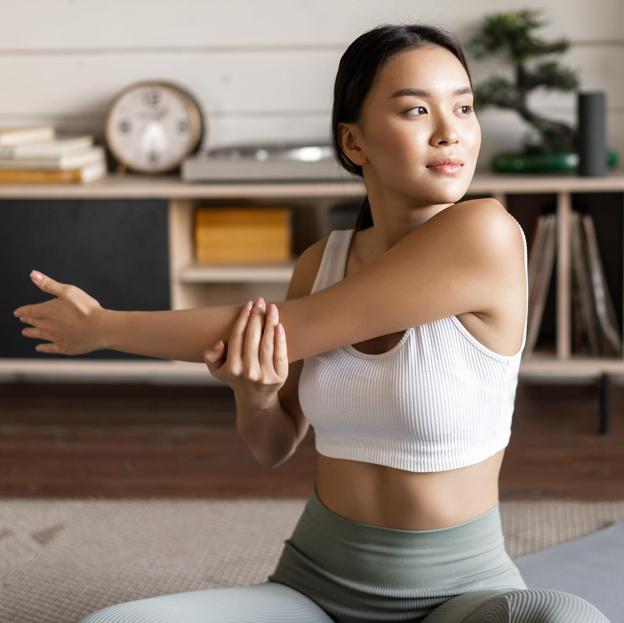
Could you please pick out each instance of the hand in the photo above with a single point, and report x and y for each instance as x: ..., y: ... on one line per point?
x: 256, y: 364
x: 70, y: 322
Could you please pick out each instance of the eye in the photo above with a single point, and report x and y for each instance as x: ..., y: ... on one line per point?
x: 468, y: 106
x: 414, y: 108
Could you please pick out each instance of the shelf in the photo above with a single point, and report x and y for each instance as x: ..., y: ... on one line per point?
x: 118, y: 370
x: 189, y: 281
x: 183, y: 371
x: 269, y: 273
x: 577, y: 367
x: 172, y: 187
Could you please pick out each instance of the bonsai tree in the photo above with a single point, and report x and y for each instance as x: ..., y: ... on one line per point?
x: 511, y: 33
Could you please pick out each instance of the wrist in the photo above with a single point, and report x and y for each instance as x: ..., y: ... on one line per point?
x: 255, y: 403
x: 106, y: 321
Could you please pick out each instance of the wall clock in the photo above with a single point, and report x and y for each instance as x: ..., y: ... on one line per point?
x: 153, y: 125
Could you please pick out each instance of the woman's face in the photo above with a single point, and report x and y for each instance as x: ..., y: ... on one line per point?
x: 401, y: 134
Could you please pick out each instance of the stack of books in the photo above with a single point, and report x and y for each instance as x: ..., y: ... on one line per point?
x: 37, y: 155
x: 240, y: 235
x: 595, y: 324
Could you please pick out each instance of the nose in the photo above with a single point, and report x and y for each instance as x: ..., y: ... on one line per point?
x: 445, y: 131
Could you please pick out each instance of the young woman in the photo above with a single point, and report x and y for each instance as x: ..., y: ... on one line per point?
x: 411, y: 328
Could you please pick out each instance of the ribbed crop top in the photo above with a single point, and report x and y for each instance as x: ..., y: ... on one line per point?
x: 437, y: 400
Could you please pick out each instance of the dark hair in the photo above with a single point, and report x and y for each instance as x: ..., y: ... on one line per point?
x: 357, y: 69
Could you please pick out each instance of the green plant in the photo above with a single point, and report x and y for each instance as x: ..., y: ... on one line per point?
x: 511, y: 33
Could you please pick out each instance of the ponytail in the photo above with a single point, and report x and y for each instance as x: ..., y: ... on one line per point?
x: 365, y: 218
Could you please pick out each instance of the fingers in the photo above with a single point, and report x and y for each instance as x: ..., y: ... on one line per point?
x: 29, y: 312
x: 280, y: 355
x: 36, y: 333
x: 235, y: 343
x: 273, y: 355
x: 40, y: 334
x: 47, y: 284
x: 48, y: 348
x: 253, y: 335
x: 268, y: 338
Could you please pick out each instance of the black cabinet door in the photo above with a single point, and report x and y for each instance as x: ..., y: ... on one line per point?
x: 116, y: 250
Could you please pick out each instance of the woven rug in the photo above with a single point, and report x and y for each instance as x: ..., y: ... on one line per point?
x: 61, y: 559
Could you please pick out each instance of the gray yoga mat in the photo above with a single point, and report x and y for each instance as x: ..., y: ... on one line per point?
x: 60, y: 559
x: 591, y: 566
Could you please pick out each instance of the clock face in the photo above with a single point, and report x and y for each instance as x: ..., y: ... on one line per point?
x: 153, y: 127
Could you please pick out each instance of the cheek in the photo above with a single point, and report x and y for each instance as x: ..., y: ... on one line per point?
x: 473, y: 137
x: 398, y: 143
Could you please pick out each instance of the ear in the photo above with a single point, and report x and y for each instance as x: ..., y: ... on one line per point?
x: 350, y: 143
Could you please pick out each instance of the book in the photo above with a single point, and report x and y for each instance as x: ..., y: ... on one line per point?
x: 543, y: 260
x: 581, y: 284
x: 537, y: 249
x: 66, y: 161
x: 26, y: 134
x: 47, y: 149
x: 234, y: 235
x: 87, y: 173
x: 606, y: 320
x: 578, y: 344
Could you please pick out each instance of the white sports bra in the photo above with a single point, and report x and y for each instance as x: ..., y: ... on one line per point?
x: 437, y: 400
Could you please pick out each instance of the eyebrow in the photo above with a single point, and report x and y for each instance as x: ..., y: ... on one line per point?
x: 422, y: 93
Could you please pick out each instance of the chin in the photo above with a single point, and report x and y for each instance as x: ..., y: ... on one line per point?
x: 452, y: 195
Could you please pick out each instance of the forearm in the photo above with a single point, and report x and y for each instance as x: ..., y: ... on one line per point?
x: 184, y: 334
x: 180, y: 334
x: 268, y: 431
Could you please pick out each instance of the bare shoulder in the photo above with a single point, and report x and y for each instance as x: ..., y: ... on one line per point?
x: 484, y: 215
x: 496, y: 237
x: 486, y: 227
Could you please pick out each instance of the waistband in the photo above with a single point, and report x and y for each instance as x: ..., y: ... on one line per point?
x: 405, y: 562
x: 487, y: 524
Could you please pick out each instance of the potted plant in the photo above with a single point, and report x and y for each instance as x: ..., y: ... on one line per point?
x: 551, y: 145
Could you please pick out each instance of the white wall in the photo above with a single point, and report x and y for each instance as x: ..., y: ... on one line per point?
x: 265, y: 70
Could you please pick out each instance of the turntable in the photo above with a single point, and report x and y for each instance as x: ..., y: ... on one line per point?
x: 285, y: 161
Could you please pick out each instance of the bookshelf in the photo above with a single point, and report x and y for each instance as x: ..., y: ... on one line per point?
x: 525, y: 196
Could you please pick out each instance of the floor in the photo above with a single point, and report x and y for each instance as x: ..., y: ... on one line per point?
x: 145, y: 441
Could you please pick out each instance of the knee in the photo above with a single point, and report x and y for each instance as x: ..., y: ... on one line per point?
x: 551, y: 606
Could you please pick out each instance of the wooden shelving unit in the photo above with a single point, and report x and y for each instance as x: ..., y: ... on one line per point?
x: 188, y: 280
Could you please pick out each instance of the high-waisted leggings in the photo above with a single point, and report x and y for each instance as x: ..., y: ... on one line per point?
x: 335, y: 569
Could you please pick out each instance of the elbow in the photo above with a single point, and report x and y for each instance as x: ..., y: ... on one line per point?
x: 267, y: 457
x: 281, y: 461
x: 272, y: 462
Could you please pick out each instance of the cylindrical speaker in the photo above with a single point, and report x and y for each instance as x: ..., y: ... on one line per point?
x: 592, y: 148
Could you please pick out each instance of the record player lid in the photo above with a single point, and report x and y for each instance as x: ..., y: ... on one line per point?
x: 304, y: 151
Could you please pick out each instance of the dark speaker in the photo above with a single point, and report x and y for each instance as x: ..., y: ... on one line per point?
x: 592, y: 149
x: 116, y: 250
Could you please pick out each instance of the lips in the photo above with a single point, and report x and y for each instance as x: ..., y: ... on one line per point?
x: 445, y: 161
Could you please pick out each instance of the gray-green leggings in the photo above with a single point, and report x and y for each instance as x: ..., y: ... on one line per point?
x: 335, y: 569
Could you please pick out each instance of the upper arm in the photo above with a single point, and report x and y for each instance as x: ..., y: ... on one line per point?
x: 449, y: 265
x: 301, y: 282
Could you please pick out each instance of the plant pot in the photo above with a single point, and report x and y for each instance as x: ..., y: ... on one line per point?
x: 555, y: 162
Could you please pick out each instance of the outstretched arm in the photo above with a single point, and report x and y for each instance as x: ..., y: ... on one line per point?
x: 453, y: 263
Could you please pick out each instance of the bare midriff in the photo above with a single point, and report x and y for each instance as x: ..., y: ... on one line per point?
x: 393, y: 498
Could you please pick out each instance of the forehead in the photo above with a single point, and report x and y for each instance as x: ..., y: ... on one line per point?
x: 432, y: 68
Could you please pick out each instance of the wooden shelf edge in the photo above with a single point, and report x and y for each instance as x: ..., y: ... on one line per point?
x: 241, y: 273
x: 173, y: 187
x: 121, y: 371
x: 578, y: 367
x: 182, y: 371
